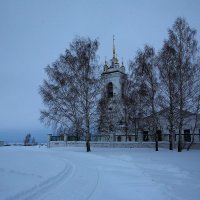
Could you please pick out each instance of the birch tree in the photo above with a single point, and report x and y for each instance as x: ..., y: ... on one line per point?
x: 181, y: 38
x: 144, y: 68
x: 70, y: 91
x: 168, y: 90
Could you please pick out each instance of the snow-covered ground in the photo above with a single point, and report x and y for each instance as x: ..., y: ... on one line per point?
x: 104, y: 174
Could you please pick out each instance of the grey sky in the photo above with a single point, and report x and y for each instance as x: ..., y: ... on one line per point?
x: 33, y: 33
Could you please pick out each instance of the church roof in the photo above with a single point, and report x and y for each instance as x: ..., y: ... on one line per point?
x: 114, y: 63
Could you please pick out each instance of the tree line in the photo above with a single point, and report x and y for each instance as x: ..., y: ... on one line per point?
x: 164, y: 80
x: 29, y: 140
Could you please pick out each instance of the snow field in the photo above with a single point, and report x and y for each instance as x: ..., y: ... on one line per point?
x: 111, y: 174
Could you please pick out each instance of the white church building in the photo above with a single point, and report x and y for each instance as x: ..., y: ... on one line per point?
x: 113, y: 126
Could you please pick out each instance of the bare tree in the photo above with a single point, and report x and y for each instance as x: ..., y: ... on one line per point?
x: 72, y: 87
x: 194, y: 104
x: 131, y: 105
x: 168, y: 87
x: 86, y: 80
x: 27, y: 139
x: 144, y: 69
x: 184, y: 45
x: 59, y: 96
x: 33, y: 141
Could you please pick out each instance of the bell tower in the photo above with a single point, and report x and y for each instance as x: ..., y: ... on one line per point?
x: 113, y: 74
x: 111, y: 104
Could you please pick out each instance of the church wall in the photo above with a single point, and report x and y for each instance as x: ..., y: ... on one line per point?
x: 188, y: 126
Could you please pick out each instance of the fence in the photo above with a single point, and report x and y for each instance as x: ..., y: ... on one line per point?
x: 107, y: 142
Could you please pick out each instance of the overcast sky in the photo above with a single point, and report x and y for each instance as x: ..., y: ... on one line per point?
x: 33, y: 33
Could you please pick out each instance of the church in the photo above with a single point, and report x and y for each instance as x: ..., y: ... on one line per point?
x: 113, y: 123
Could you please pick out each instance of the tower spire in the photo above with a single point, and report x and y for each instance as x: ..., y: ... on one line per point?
x: 113, y: 46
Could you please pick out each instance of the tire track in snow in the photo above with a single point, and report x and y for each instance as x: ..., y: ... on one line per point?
x: 37, y: 191
x: 96, y: 185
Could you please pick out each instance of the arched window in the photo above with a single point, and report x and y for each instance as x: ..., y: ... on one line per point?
x: 110, y: 90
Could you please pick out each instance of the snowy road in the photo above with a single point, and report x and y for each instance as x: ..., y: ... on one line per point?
x: 112, y: 174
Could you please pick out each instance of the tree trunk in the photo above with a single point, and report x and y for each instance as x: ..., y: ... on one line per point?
x: 88, y: 145
x: 191, y: 143
x: 156, y: 138
x: 156, y: 145
x: 170, y: 141
x: 195, y: 125
x: 180, y: 140
x: 171, y: 123
x: 88, y: 131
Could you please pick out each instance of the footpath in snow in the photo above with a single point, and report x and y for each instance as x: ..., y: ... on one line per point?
x: 104, y: 174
